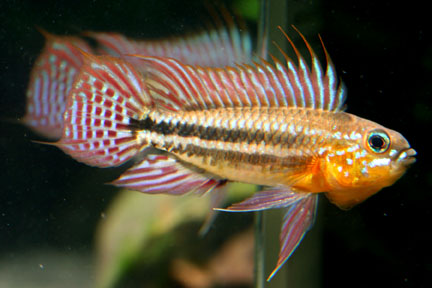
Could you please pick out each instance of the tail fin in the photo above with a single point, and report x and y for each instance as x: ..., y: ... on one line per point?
x: 51, y: 81
x: 106, y: 97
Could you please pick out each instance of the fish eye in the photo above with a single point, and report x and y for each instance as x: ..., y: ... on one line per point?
x: 378, y: 141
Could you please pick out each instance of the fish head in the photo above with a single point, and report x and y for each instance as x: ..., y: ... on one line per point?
x: 373, y: 157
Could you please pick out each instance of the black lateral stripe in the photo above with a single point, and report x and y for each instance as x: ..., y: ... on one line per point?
x: 216, y: 155
x: 137, y: 125
x: 207, y: 133
x: 149, y: 124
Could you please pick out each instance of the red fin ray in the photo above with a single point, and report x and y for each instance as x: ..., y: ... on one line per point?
x: 299, y: 215
x: 51, y: 81
x: 163, y: 84
x: 335, y: 95
x: 157, y: 174
x: 218, y: 46
x: 161, y: 174
x: 301, y: 74
x: 298, y: 219
x: 224, y: 43
x: 107, y: 93
x: 277, y: 197
x: 248, y: 85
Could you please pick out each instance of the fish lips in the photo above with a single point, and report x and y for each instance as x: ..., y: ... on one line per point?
x: 406, y: 156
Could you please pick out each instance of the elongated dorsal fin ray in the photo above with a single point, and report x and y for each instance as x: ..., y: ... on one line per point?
x: 316, y: 71
x: 301, y: 72
x: 260, y: 84
x: 336, y: 94
x: 327, y: 94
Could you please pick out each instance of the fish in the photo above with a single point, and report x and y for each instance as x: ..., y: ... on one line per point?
x: 59, y: 62
x: 193, y: 129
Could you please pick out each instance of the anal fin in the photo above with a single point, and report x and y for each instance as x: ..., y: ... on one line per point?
x: 161, y: 174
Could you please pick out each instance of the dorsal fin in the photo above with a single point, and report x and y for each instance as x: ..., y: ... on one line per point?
x: 261, y: 84
x: 223, y: 42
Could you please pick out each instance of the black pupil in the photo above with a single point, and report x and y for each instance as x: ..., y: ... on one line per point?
x: 377, y: 142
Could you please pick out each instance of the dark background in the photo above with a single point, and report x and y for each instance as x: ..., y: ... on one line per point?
x: 383, y: 53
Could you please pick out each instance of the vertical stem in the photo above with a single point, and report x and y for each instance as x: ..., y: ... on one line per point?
x: 259, y: 250
x: 262, y: 47
x: 263, y: 23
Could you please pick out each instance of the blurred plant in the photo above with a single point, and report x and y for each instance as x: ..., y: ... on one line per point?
x: 140, y: 232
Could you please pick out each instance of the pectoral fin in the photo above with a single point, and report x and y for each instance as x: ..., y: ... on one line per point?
x: 217, y: 194
x: 162, y: 174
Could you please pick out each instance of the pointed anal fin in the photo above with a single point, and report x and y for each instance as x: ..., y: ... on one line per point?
x: 300, y: 210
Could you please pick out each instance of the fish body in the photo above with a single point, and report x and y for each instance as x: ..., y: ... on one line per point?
x: 280, y: 126
x: 302, y: 148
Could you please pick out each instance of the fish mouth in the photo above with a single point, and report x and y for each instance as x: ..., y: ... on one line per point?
x: 406, y: 156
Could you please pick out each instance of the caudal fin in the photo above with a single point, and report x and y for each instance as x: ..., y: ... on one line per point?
x: 51, y: 81
x: 106, y: 96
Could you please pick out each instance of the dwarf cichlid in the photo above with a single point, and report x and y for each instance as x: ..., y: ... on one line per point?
x: 280, y: 125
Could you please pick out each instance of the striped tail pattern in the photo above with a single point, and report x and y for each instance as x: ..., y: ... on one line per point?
x: 107, y: 94
x: 50, y: 82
